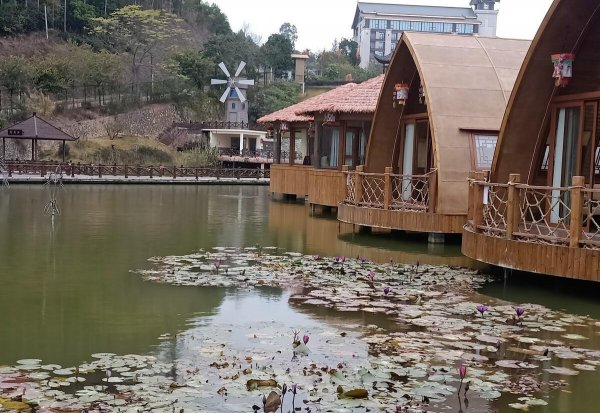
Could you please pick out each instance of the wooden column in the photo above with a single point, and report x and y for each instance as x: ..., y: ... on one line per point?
x: 576, y: 211
x: 292, y: 153
x: 342, y: 146
x: 387, y: 188
x: 316, y: 157
x: 33, y: 149
x: 63, y: 151
x: 432, y: 183
x: 278, y: 147
x: 358, y: 184
x: 513, y: 212
x: 346, y: 173
x: 4, y: 148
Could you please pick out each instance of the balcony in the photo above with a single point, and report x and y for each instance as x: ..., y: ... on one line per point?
x: 397, y: 202
x: 547, y: 230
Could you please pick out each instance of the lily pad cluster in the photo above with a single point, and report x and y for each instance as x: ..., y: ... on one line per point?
x: 445, y: 345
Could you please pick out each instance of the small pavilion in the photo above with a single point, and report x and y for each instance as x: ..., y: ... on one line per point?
x: 34, y: 129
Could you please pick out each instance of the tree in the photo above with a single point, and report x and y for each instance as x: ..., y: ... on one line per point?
x: 230, y: 49
x: 268, y: 99
x: 277, y: 53
x: 139, y: 32
x: 349, y: 49
x: 15, y: 75
x: 194, y: 66
x: 209, y: 15
x: 290, y: 32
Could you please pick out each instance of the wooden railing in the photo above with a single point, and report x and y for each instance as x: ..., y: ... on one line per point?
x: 388, y: 191
x: 567, y: 216
x: 126, y: 171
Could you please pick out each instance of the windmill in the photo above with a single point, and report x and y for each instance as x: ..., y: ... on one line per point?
x: 232, y: 82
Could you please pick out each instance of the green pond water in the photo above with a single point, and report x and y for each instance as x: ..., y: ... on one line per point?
x: 67, y: 291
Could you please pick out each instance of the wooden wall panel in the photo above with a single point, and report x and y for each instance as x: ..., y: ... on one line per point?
x: 400, y: 220
x: 290, y: 180
x: 560, y: 261
x: 326, y: 187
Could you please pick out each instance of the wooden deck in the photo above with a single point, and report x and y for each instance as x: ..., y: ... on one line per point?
x: 557, y: 260
x: 326, y: 187
x: 401, y: 220
x: 544, y: 230
x: 290, y: 179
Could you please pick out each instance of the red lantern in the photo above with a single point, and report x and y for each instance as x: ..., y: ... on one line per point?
x: 400, y: 94
x: 563, y: 68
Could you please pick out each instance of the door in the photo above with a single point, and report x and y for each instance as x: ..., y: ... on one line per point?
x: 565, y: 160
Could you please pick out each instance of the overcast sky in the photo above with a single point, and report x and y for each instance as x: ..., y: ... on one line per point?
x: 319, y: 22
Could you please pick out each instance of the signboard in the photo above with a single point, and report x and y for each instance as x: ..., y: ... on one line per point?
x: 15, y: 132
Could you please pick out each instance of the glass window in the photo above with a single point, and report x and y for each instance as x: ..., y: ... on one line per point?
x: 349, y: 148
x: 379, y: 45
x: 395, y: 36
x: 233, y: 105
x: 378, y: 24
x: 464, y: 28
x: 379, y: 52
x: 379, y: 35
x: 395, y: 25
x: 329, y: 147
x: 485, y: 146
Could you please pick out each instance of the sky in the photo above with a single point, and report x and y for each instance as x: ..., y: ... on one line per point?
x: 320, y: 22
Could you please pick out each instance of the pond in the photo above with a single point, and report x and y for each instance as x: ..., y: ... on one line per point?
x: 71, y: 287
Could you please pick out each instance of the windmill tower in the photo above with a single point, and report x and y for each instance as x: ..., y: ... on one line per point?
x: 234, y: 97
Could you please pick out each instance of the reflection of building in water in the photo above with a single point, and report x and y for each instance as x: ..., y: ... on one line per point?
x: 237, y: 209
x: 296, y: 230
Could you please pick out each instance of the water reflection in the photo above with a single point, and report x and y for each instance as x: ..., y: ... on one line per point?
x: 324, y: 235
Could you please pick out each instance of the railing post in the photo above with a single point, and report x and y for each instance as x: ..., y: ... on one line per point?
x: 387, y: 188
x: 174, y: 171
x: 432, y: 191
x: 196, y: 173
x: 576, y: 211
x: 151, y: 171
x: 114, y: 169
x: 513, y: 213
x: 477, y: 204
x: 126, y: 168
x: 346, y: 173
x: 100, y: 171
x: 358, y: 184
x: 72, y: 170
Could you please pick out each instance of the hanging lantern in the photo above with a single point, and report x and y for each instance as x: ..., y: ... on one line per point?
x: 563, y: 68
x: 400, y: 94
x: 421, y: 94
x: 329, y: 119
x: 284, y: 127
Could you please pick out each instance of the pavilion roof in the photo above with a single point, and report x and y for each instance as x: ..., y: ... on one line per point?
x: 35, y: 128
x: 350, y: 98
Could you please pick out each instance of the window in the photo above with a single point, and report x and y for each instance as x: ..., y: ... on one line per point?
x: 464, y: 28
x: 379, y: 45
x: 395, y: 24
x: 233, y: 105
x: 329, y: 149
x: 378, y: 24
x: 378, y: 53
x: 545, y: 159
x: 243, y: 106
x: 379, y: 35
x: 485, y: 146
x: 395, y: 36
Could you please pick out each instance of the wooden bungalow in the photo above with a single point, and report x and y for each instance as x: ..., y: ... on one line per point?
x: 333, y: 128
x: 539, y: 211
x: 437, y: 119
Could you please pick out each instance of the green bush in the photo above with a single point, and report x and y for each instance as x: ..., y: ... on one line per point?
x: 200, y: 158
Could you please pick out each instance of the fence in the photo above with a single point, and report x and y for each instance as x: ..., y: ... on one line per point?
x: 88, y: 96
x: 173, y: 172
x: 199, y: 126
x: 388, y: 191
x: 566, y: 216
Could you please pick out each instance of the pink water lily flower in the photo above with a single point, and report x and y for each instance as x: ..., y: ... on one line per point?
x: 305, y: 339
x: 386, y: 290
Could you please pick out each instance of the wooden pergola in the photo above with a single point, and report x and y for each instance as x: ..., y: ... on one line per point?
x: 35, y: 129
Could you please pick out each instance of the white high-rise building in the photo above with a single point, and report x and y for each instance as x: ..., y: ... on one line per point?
x: 378, y: 27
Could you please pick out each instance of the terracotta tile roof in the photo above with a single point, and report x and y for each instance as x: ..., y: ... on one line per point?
x: 350, y: 98
x: 35, y: 128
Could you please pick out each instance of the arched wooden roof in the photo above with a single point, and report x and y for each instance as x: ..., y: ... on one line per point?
x: 570, y: 26
x: 467, y: 82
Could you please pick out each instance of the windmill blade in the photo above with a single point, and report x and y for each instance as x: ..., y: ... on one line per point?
x: 218, y: 82
x: 240, y: 68
x: 240, y: 94
x: 249, y: 82
x: 224, y: 97
x: 224, y: 69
